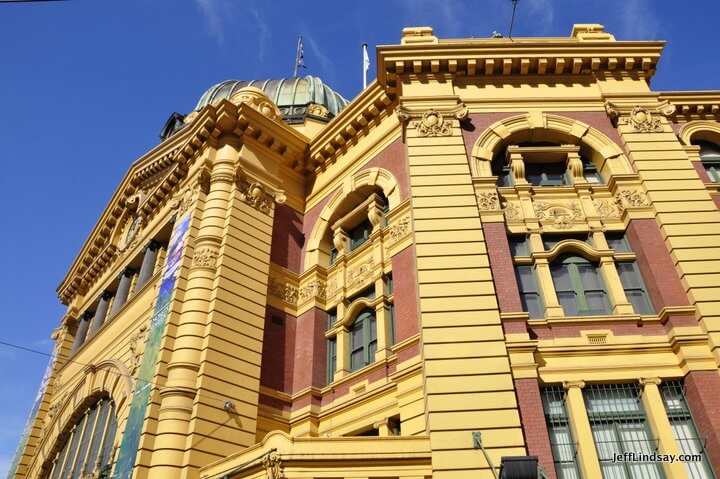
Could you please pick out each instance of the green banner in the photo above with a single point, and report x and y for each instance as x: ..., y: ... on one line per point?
x: 143, y: 384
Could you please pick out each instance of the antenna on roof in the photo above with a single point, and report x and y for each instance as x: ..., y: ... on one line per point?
x: 512, y: 19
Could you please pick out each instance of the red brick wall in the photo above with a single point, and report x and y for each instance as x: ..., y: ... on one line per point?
x: 573, y: 331
x: 276, y: 370
x: 716, y: 200
x: 287, y: 238
x: 533, y: 423
x: 310, y: 358
x: 655, y: 264
x: 503, y: 274
x: 703, y: 395
x: 405, y: 294
x: 475, y: 125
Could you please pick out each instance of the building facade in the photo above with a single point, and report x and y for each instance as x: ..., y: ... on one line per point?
x: 500, y: 248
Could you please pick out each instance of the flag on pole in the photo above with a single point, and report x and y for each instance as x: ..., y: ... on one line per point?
x: 366, y: 64
x: 299, y: 57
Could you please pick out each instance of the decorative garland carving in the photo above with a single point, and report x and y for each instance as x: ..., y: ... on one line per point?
x: 628, y: 198
x: 273, y: 466
x: 314, y: 289
x: 185, y: 199
x: 560, y: 214
x: 606, y: 209
x: 399, y: 229
x: 204, y: 258
x: 332, y: 288
x: 256, y: 195
x: 512, y: 213
x: 488, y: 201
x: 433, y: 122
x: 360, y: 274
x: 133, y: 346
x: 282, y: 290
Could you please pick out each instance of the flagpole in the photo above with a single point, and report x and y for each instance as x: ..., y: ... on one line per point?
x: 297, y: 54
x: 366, y: 64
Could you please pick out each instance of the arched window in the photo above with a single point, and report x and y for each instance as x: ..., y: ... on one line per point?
x: 363, y: 340
x: 579, y: 286
x: 710, y: 157
x: 89, y: 446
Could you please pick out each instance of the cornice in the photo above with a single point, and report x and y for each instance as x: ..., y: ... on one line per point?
x: 503, y: 57
x: 353, y: 122
x: 693, y: 105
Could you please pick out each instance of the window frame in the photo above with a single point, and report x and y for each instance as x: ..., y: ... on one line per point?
x: 364, y: 320
x: 571, y: 261
x: 710, y: 159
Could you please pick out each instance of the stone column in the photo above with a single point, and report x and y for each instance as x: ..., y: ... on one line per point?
x: 100, y: 312
x: 82, y: 331
x: 660, y: 426
x: 148, y: 265
x: 123, y: 290
x: 581, y: 432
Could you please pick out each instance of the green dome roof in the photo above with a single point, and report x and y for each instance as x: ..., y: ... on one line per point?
x: 291, y: 95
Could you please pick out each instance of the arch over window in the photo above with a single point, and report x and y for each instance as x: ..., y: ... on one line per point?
x: 353, y: 192
x: 594, y: 146
x: 88, y: 445
x: 363, y: 340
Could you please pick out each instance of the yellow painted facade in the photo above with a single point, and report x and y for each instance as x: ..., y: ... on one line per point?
x: 350, y: 299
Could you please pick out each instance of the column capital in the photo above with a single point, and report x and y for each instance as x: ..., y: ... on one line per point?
x: 645, y: 381
x: 128, y: 271
x: 105, y: 295
x: 87, y: 316
x: 573, y: 384
x: 151, y: 245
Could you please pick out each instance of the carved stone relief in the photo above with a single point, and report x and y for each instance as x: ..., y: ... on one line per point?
x: 282, y: 290
x: 399, y: 229
x: 512, y: 212
x: 488, y: 201
x: 185, y: 199
x: 314, y: 289
x: 606, y: 209
x: 256, y: 195
x: 360, y: 274
x: 134, y: 350
x: 273, y: 466
x: 204, y: 258
x: 629, y: 198
x: 559, y: 214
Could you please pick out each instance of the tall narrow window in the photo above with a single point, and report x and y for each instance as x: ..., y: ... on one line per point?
x: 360, y: 234
x: 629, y: 273
x: 332, y: 358
x: 684, y: 429
x: 529, y: 291
x: 564, y: 449
x: 618, y: 425
x: 591, y: 173
x: 88, y: 448
x: 363, y: 340
x: 579, y: 286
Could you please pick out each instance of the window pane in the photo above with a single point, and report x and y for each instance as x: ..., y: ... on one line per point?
x: 526, y: 279
x: 568, y: 302
x: 628, y: 278
x: 373, y: 328
x: 104, y: 408
x: 357, y: 359
x: 85, y: 441
x: 356, y: 335
x: 519, y: 245
x: 561, y: 277
x: 596, y: 302
x: 531, y: 304
x: 589, y: 277
x: 70, y: 462
x: 107, y: 448
x: 618, y: 243
x: 360, y: 234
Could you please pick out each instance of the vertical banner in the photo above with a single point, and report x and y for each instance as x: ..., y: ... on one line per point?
x: 33, y: 413
x: 143, y: 384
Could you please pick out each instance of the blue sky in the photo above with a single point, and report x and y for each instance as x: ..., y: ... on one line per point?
x: 86, y: 86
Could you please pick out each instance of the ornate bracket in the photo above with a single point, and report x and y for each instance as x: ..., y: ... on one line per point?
x: 258, y: 195
x: 640, y: 117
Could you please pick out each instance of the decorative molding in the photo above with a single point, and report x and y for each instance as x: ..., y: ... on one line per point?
x: 488, y: 201
x: 629, y: 198
x: 204, y: 258
x: 282, y: 290
x: 512, y: 212
x: 313, y: 289
x: 332, y: 288
x: 318, y: 110
x: 360, y: 274
x: 185, y: 199
x: 640, y: 117
x: 273, y: 466
x: 433, y: 122
x: 561, y: 214
x: 607, y: 208
x: 257, y: 195
x: 399, y: 230
x: 131, y: 233
x: 133, y: 346
x: 258, y: 100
